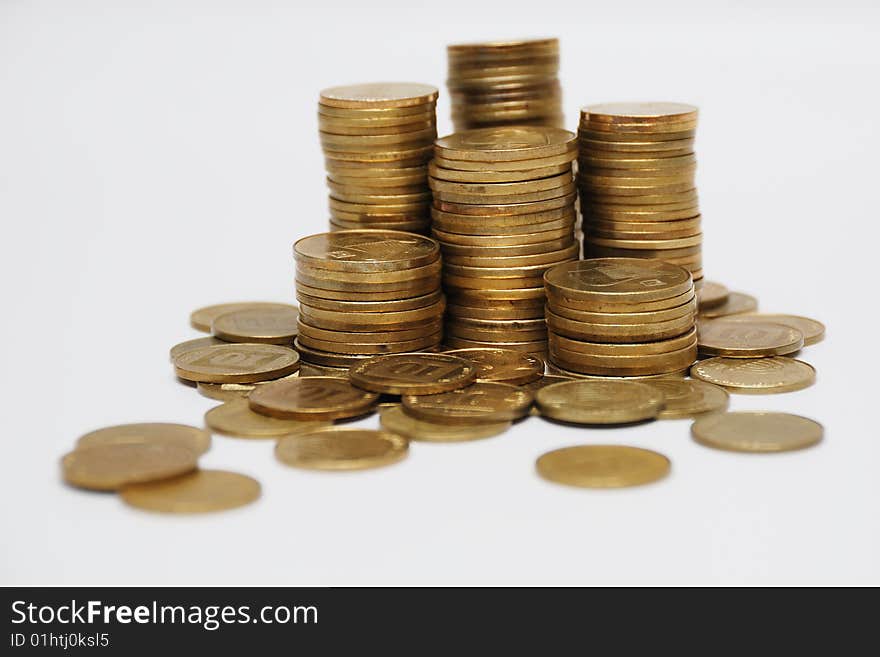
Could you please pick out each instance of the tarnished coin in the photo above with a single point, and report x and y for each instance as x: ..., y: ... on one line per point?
x: 394, y: 419
x: 602, y: 466
x: 712, y: 295
x: 189, y: 345
x: 366, y: 250
x: 505, y: 143
x: 379, y: 95
x: 109, y: 467
x: 720, y: 337
x: 503, y: 365
x: 623, y: 279
x: 687, y: 398
x: 756, y: 431
x: 154, y: 433
x: 236, y: 363
x: 201, y: 491
x: 202, y: 318
x: 257, y: 325
x: 235, y: 418
x: 342, y: 449
x: 812, y: 330
x: 756, y: 375
x: 736, y: 303
x: 312, y: 398
x: 475, y: 404
x: 413, y: 374
x: 599, y: 402
x: 229, y: 391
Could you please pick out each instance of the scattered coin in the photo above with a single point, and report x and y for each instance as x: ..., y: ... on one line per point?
x: 757, y: 431
x: 189, y: 345
x: 503, y: 365
x: 712, y: 295
x: 756, y: 375
x: 687, y: 398
x: 154, y: 433
x: 109, y: 467
x: 599, y: 402
x: 236, y: 363
x: 342, y: 449
x: 413, y: 374
x: 812, y: 330
x: 230, y: 391
x: 394, y: 419
x: 312, y: 398
x: 736, y: 303
x: 475, y: 404
x: 235, y: 418
x: 202, y: 318
x: 753, y: 339
x: 201, y: 491
x: 602, y: 466
x: 262, y: 325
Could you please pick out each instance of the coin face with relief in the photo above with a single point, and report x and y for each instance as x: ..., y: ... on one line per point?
x: 626, y: 279
x: 257, y: 325
x: 599, y: 402
x: 236, y: 363
x: 312, y: 398
x: 756, y: 375
x: 413, y: 374
x: 477, y: 403
x: 366, y: 250
x: 747, y: 339
x: 506, y: 143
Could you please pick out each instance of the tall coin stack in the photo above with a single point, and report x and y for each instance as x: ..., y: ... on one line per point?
x: 636, y: 181
x: 621, y: 317
x: 505, y: 83
x: 366, y: 292
x: 503, y: 213
x: 377, y: 140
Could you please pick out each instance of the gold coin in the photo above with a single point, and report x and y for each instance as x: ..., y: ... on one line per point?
x: 236, y: 363
x: 349, y: 321
x: 230, y: 391
x: 453, y: 175
x: 369, y: 142
x: 403, y: 289
x: 369, y: 126
x: 111, y: 466
x: 656, y: 112
x: 368, y: 305
x: 202, y: 318
x: 558, y: 301
x: 456, y: 330
x: 624, y: 279
x: 373, y: 348
x: 424, y: 287
x: 379, y: 95
x: 201, y: 491
x: 377, y: 112
x: 554, y: 230
x: 263, y: 325
x: 759, y: 432
x: 312, y: 398
x: 754, y: 339
x: 235, y: 418
x: 475, y: 404
x: 404, y: 157
x: 504, y: 313
x: 502, y: 188
x: 327, y: 358
x: 529, y: 222
x: 812, y: 330
x: 506, y: 143
x: 155, y: 433
x: 506, y: 208
x: 756, y: 375
x: 567, y: 252
x: 590, y: 134
x: 736, y: 303
x: 688, y: 398
x: 602, y: 466
x: 712, y: 295
x: 618, y: 333
x: 513, y: 165
x: 648, y: 244
x: 650, y: 348
x: 394, y: 419
x: 599, y: 402
x: 503, y: 365
x: 378, y: 337
x: 189, y: 345
x: 635, y: 319
x: 413, y: 374
x: 354, y: 278
x: 342, y: 449
x: 672, y: 148
x: 481, y: 296
x: 553, y: 368
x: 449, y: 199
x: 623, y: 365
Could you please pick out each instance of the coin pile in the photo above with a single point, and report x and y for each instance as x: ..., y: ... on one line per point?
x: 505, y: 83
x: 621, y: 317
x: 636, y: 181
x: 503, y: 213
x: 366, y: 292
x: 377, y: 139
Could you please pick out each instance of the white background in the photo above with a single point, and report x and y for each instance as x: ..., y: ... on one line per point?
x: 161, y: 157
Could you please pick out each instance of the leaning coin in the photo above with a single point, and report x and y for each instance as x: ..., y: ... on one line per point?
x: 201, y: 491
x: 756, y: 431
x: 189, y: 345
x: 478, y: 403
x: 263, y: 325
x: 109, y: 467
x: 721, y: 337
x: 814, y: 331
x: 394, y: 419
x: 602, y: 466
x: 235, y: 418
x: 736, y: 303
x: 342, y: 449
x: 236, y: 363
x: 599, y: 402
x: 757, y: 376
x: 202, y: 318
x: 413, y: 374
x: 503, y: 365
x: 154, y: 433
x: 312, y: 398
x: 687, y: 398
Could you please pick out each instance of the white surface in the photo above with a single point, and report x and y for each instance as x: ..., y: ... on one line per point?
x: 161, y: 158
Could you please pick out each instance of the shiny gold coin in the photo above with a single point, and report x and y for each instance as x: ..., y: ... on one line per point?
x: 379, y: 95
x: 404, y: 157
x: 404, y: 288
x: 351, y: 321
x: 629, y: 280
x: 312, y: 398
x: 231, y: 391
x: 236, y: 363
x: 558, y: 301
x: 420, y: 226
x: 189, y: 345
x: 491, y: 177
x: 201, y: 491
x: 413, y: 374
x: 758, y: 432
x: 111, y: 466
x: 591, y: 135
x: 360, y: 142
x: 235, y: 418
x: 506, y: 143
x: 154, y: 433
x: 342, y: 449
x: 504, y: 313
x: 736, y: 303
x: 376, y: 112
x: 602, y: 466
x: 513, y: 165
x: 394, y: 419
x: 202, y: 318
x: 754, y: 339
x: 262, y: 325
x: 490, y: 225
x: 369, y: 126
x: 623, y: 365
x: 655, y: 112
x: 756, y: 375
x: 506, y: 251
x: 599, y: 402
x: 812, y: 330
x: 502, y: 365
x: 475, y: 404
x: 617, y: 333
x: 712, y: 295
x: 506, y: 208
x: 685, y: 310
x: 355, y: 277
x: 502, y: 188
x: 370, y: 306
x: 568, y: 252
x: 672, y: 148
x: 648, y: 244
x: 481, y: 296
x: 456, y: 330
x: 687, y: 398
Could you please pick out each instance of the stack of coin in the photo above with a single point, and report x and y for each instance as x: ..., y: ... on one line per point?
x: 505, y: 83
x: 366, y: 292
x: 503, y: 213
x: 621, y: 317
x: 377, y: 140
x: 636, y: 182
